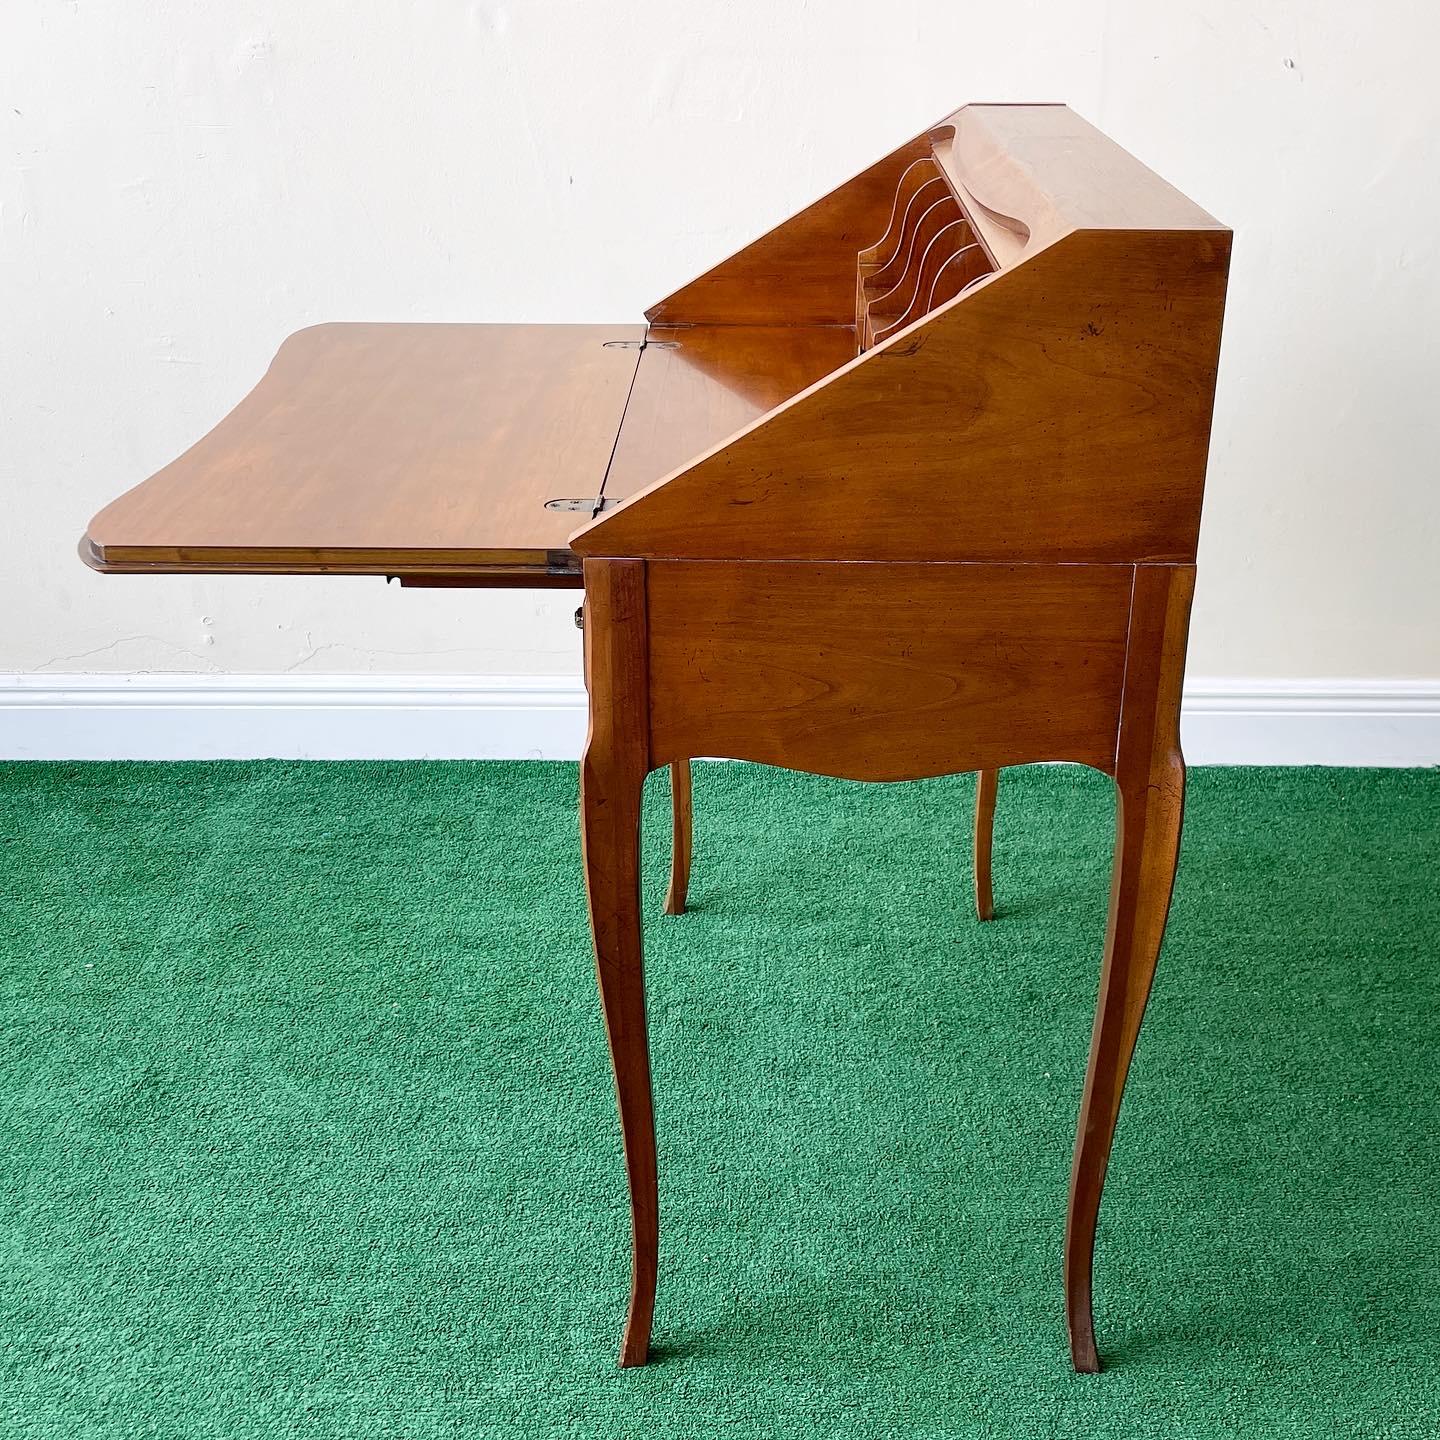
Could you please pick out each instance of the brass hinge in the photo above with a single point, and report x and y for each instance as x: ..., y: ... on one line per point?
x: 587, y: 504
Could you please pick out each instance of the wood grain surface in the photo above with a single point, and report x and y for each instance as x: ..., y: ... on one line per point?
x: 1059, y: 412
x: 612, y: 774
x: 803, y: 271
x: 697, y: 385
x: 682, y: 832
x: 390, y: 448
x: 1029, y: 174
x: 987, y: 785
x: 1150, y: 801
x: 886, y: 672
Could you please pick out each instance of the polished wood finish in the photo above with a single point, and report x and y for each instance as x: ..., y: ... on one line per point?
x: 987, y: 784
x: 682, y: 826
x: 697, y: 385
x: 1069, y: 662
x: 1028, y: 175
x: 919, y: 183
x: 382, y: 449
x: 951, y: 552
x: 803, y: 271
x: 927, y: 447
x: 909, y: 485
x: 612, y: 776
x: 1149, y: 776
x: 885, y: 672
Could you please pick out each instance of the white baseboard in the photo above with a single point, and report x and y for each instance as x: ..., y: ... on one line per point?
x: 291, y: 717
x: 507, y: 717
x: 1311, y: 722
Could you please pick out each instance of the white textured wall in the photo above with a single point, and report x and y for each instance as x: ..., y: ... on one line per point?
x: 184, y: 182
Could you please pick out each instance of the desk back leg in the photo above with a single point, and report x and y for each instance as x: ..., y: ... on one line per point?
x: 612, y: 777
x: 1150, y: 798
x: 682, y: 827
x: 987, y: 783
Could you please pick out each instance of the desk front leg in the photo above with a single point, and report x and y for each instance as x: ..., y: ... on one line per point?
x: 1150, y: 800
x: 612, y: 777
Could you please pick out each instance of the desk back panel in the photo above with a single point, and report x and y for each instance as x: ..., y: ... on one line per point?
x: 803, y: 271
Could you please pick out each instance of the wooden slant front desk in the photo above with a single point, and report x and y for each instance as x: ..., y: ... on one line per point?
x: 911, y: 485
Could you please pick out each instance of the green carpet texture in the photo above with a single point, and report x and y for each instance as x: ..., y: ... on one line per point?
x: 307, y: 1127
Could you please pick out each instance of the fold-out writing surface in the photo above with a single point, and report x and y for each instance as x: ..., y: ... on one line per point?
x: 377, y: 448
x: 698, y: 384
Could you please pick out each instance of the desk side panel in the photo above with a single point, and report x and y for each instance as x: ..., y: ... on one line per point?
x: 886, y: 671
x: 1059, y: 412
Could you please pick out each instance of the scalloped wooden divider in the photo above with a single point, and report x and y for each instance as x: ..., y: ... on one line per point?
x: 953, y: 259
x: 930, y: 253
x: 916, y: 175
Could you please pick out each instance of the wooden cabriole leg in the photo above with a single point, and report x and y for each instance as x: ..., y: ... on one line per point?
x: 1150, y: 796
x: 986, y: 785
x: 682, y: 825
x: 612, y: 778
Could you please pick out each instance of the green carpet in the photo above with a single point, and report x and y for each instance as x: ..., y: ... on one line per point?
x: 308, y: 1127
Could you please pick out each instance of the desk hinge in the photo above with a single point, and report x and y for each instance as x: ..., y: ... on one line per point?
x: 589, y: 505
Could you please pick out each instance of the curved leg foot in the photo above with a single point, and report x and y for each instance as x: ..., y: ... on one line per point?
x: 987, y: 784
x: 1147, y: 848
x: 682, y: 826
x: 610, y: 822
x: 612, y: 777
x: 1150, y: 803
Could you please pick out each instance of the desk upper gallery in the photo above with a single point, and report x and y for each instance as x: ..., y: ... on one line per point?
x: 910, y: 485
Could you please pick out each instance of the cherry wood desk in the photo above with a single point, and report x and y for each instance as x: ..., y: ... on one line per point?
x: 910, y: 485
